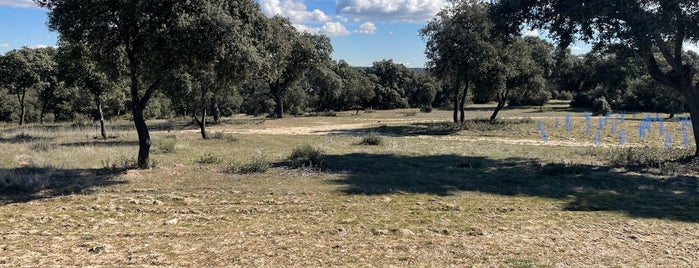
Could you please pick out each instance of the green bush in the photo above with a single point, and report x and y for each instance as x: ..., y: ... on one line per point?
x: 166, y: 145
x: 306, y: 156
x: 209, y: 159
x: 565, y: 95
x: 600, y: 106
x: 371, y: 139
x: 426, y: 109
x: 257, y: 165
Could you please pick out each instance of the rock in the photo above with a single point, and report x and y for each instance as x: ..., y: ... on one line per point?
x: 404, y: 232
x: 379, y: 232
x: 157, y: 202
x: 171, y: 222
x: 385, y: 199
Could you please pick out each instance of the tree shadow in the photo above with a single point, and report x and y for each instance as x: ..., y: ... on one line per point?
x: 22, y: 138
x: 582, y: 187
x: 413, y: 129
x: 100, y: 143
x: 29, y: 183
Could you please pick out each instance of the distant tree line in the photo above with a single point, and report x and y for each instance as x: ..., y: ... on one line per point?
x: 207, y: 59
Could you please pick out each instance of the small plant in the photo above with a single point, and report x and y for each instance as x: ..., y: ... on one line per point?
x: 600, y: 106
x: 306, y: 156
x: 410, y: 113
x: 218, y: 135
x: 371, y: 139
x: 426, y: 109
x: 41, y: 146
x: 119, y: 165
x: 209, y: 159
x: 167, y: 144
x: 257, y: 165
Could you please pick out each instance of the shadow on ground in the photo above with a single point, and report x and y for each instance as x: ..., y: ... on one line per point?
x: 25, y: 184
x: 101, y: 143
x: 583, y: 187
x: 438, y: 128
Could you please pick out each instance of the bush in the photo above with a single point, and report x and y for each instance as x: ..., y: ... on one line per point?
x: 209, y: 159
x: 257, y: 165
x: 600, y: 106
x: 119, y: 165
x: 565, y: 95
x: 167, y: 144
x: 426, y: 109
x: 371, y: 139
x: 306, y: 156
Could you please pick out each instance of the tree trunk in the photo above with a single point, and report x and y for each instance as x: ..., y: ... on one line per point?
x: 143, y: 136
x: 22, y: 107
x: 502, y: 99
x: 215, y: 112
x: 279, y: 102
x: 201, y: 123
x: 100, y: 116
x: 456, y: 106
x: 694, y: 114
x: 462, y: 104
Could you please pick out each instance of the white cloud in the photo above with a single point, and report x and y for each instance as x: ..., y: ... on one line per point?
x: 295, y: 10
x: 4, y: 45
x: 402, y: 10
x: 692, y: 47
x: 335, y: 29
x: 307, y: 29
x: 18, y: 3
x: 528, y: 32
x: 367, y: 28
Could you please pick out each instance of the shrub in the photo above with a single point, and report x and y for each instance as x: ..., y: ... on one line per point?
x: 167, y: 144
x: 411, y: 113
x: 306, y: 156
x: 209, y: 159
x: 371, y: 139
x: 120, y: 165
x: 257, y: 165
x: 565, y: 95
x: 41, y: 146
x: 600, y: 106
x: 426, y: 109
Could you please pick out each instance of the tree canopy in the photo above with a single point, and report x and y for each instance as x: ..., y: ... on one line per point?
x: 644, y: 27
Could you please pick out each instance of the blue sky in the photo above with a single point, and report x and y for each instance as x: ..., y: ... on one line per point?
x: 361, y: 31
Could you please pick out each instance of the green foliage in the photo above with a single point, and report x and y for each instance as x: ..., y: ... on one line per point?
x: 118, y: 165
x: 600, y: 106
x: 257, y: 165
x: 306, y: 156
x: 371, y: 139
x: 166, y: 145
x: 209, y: 159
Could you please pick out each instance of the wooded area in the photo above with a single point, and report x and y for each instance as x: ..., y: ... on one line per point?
x: 207, y: 59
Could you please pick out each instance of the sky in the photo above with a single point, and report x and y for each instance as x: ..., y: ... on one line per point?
x: 361, y: 31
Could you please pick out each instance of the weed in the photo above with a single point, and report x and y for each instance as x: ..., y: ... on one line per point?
x: 209, y: 159
x: 371, y: 139
x: 41, y: 146
x: 306, y: 156
x: 410, y: 113
x: 167, y: 144
x: 257, y: 165
x: 119, y: 165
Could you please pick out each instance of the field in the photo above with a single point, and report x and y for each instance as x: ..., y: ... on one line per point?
x: 428, y: 195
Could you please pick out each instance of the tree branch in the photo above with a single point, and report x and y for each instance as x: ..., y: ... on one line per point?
x: 149, y: 92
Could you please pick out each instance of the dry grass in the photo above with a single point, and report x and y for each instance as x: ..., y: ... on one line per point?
x: 425, y: 197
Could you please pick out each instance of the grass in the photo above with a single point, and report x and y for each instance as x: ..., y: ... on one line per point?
x: 433, y: 194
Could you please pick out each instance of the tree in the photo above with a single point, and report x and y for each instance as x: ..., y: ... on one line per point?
x: 459, y: 47
x: 150, y: 38
x: 78, y: 67
x: 645, y: 27
x: 287, y: 55
x: 24, y: 70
